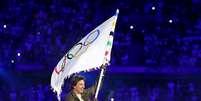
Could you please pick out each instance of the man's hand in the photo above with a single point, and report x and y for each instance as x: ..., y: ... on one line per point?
x: 103, y: 66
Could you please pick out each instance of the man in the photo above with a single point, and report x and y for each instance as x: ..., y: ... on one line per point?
x: 78, y: 91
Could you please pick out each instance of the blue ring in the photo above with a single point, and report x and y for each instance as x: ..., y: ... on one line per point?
x: 98, y: 31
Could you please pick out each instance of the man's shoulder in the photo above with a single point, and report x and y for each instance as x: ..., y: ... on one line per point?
x: 69, y: 96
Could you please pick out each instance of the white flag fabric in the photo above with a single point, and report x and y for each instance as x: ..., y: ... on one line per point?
x: 89, y: 53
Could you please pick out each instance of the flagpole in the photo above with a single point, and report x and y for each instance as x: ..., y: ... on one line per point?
x: 103, y: 68
x: 100, y: 80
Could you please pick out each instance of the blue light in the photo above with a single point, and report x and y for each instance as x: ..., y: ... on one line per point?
x: 170, y: 21
x: 12, y: 61
x: 38, y: 33
x: 112, y: 99
x: 4, y: 26
x: 153, y: 8
x: 18, y: 54
x: 131, y: 27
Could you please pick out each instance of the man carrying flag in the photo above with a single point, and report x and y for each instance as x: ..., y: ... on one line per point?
x: 78, y: 91
x: 91, y: 52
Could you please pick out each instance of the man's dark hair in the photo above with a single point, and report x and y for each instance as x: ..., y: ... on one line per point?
x: 75, y: 80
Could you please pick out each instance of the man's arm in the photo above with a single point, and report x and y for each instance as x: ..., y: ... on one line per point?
x: 92, y: 90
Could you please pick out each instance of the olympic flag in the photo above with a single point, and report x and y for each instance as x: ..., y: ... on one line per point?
x: 89, y: 53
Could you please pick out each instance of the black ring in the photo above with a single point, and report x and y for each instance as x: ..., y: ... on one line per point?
x: 70, y: 55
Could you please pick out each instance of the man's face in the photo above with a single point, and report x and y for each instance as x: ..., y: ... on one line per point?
x: 79, y: 87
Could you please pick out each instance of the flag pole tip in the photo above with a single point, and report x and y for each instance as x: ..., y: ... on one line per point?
x: 117, y: 12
